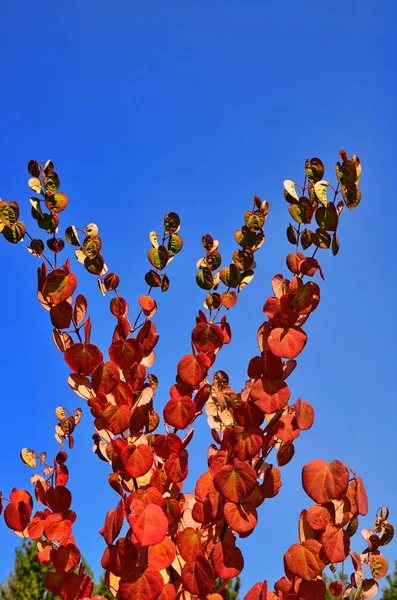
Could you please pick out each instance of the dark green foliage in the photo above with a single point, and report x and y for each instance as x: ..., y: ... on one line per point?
x: 232, y: 589
x: 26, y: 582
x: 389, y: 592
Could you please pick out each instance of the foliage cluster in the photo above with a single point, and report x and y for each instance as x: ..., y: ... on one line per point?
x: 176, y: 544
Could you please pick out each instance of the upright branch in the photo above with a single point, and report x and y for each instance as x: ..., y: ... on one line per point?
x: 179, y: 545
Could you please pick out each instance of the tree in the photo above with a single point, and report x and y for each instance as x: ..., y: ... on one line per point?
x: 180, y: 544
x: 26, y: 582
x: 389, y: 592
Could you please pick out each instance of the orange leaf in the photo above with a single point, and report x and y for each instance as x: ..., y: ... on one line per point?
x: 179, y: 412
x: 141, y: 585
x: 241, y: 516
x: 83, y: 358
x: 207, y: 338
x: 323, y: 482
x: 126, y: 353
x: 235, y: 482
x: 287, y: 342
x: 336, y: 544
x: 270, y: 396
x: 151, y: 526
x: 161, y: 555
x: 227, y: 560
x: 137, y: 460
x: 198, y: 577
x: 306, y: 560
x: 59, y: 286
x: 193, y: 369
x: 189, y: 544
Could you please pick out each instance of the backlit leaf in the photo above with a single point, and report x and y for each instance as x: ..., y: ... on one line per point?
x: 324, y: 482
x: 198, y: 576
x: 83, y: 358
x: 235, y: 482
x: 151, y: 526
x: 158, y: 257
x: 193, y: 369
x: 179, y: 412
x: 140, y: 585
x: 59, y: 286
x: 320, y: 189
x: 287, y: 342
x: 137, y: 459
x: 289, y: 187
x: 227, y: 560
x: 306, y: 560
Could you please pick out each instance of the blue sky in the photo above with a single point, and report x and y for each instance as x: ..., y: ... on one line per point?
x: 195, y: 107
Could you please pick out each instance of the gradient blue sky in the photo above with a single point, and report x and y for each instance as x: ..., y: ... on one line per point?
x: 195, y: 107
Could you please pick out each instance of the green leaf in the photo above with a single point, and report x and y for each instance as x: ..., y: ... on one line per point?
x: 57, y: 202
x: 9, y: 212
x: 289, y: 187
x: 158, y: 257
x: 175, y: 243
x: 320, y: 189
x: 327, y: 218
x: 92, y: 246
x: 72, y: 237
x: 171, y: 222
x: 51, y: 183
x: 213, y: 260
x: 95, y: 265
x: 302, y: 211
x: 204, y: 279
x: 230, y: 276
x: 314, y: 169
x: 153, y: 238
x: 153, y: 279
x: 351, y: 196
x: 254, y: 220
x: 15, y: 233
x: 48, y: 222
x: 35, y: 185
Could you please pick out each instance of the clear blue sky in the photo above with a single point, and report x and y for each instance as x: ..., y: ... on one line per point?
x: 195, y: 107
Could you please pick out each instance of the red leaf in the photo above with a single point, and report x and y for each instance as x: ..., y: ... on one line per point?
x: 176, y: 466
x: 287, y: 342
x: 270, y: 396
x: 241, y: 516
x: 193, y: 369
x: 179, y: 412
x: 59, y: 286
x: 137, y: 460
x: 126, y: 353
x: 105, y: 377
x: 161, y: 555
x: 336, y: 544
x: 304, y: 414
x: 198, y: 577
x: 151, y: 526
x: 319, y: 517
x: 306, y: 560
x: 113, y: 523
x: 207, y: 338
x: 83, y: 358
x: 61, y: 315
x: 17, y: 515
x: 58, y: 499
x: 235, y: 482
x: 148, y: 305
x: 57, y: 529
x: 65, y: 558
x: 229, y: 299
x: 361, y: 496
x: 257, y: 592
x: 141, y: 585
x: 190, y: 544
x: 227, y: 560
x: 116, y: 418
x: 323, y: 482
x: 312, y: 590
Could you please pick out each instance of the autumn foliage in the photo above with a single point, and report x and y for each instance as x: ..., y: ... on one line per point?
x: 181, y: 545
